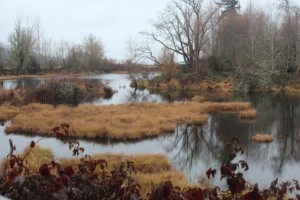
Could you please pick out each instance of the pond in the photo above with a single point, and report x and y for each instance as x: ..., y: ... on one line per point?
x: 195, y: 149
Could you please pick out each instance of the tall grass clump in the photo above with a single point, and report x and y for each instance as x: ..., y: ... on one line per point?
x: 11, y: 96
x: 248, y: 114
x: 264, y: 138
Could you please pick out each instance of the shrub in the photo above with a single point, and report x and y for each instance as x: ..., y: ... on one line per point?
x: 66, y: 91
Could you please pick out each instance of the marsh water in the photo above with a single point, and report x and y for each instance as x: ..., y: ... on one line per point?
x: 195, y: 149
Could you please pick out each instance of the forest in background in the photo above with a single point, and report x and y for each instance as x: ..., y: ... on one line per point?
x: 256, y: 46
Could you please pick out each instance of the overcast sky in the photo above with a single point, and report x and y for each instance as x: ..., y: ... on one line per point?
x: 113, y: 21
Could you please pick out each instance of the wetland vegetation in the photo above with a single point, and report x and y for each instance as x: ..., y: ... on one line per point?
x: 220, y: 96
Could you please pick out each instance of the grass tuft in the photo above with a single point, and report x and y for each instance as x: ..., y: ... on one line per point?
x: 262, y: 138
x: 34, y: 160
x: 198, y: 98
x: 248, y: 114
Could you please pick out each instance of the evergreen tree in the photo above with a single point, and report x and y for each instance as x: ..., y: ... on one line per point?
x: 229, y: 5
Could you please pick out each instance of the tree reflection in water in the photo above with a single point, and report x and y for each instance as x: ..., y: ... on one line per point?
x: 195, y: 149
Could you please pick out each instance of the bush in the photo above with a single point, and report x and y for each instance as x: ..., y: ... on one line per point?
x: 66, y: 91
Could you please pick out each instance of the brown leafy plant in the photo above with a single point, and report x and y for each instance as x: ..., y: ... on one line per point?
x: 237, y: 185
x: 90, y: 179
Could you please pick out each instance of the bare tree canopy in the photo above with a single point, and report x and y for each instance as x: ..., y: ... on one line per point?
x: 184, y: 28
x: 93, y: 51
x: 21, y: 43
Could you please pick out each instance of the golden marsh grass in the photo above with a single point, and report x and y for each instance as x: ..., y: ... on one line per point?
x: 248, y: 114
x: 127, y: 121
x: 262, y: 138
x: 295, y: 89
x: 34, y: 160
x: 11, y: 77
x: 152, y: 170
x: 198, y: 98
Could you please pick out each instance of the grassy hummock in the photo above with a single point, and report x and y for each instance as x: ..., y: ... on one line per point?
x: 115, y: 122
x: 151, y: 169
x: 262, y: 138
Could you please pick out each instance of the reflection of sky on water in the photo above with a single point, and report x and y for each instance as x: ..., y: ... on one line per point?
x: 194, y: 150
x: 21, y: 83
x: 123, y: 92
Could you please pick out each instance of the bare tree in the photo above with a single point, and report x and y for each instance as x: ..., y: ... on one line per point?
x: 169, y: 67
x: 61, y: 53
x: 47, y: 57
x: 132, y: 62
x: 183, y: 28
x: 1, y: 57
x: 290, y: 34
x: 94, y: 52
x: 74, y: 58
x: 21, y: 44
x: 38, y: 43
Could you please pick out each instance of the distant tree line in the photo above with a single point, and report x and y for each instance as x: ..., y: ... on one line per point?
x: 257, y: 46
x: 29, y: 52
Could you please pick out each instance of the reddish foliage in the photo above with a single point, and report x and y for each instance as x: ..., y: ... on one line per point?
x: 90, y: 180
x: 194, y: 194
x: 254, y: 194
x: 211, y: 172
x: 32, y: 144
x: 244, y: 165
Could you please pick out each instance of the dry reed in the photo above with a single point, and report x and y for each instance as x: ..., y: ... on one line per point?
x: 248, y: 114
x: 295, y: 89
x: 127, y: 121
x: 152, y: 170
x: 198, y: 98
x: 33, y: 161
x: 262, y: 138
x: 11, y: 77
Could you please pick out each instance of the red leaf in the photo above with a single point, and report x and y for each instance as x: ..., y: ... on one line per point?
x: 244, y: 165
x: 296, y: 183
x: 45, y: 171
x: 81, y: 149
x: 236, y: 184
x: 254, y: 194
x: 65, y: 125
x: 55, y: 129
x: 211, y: 172
x: 12, y: 163
x: 69, y: 171
x: 32, y: 144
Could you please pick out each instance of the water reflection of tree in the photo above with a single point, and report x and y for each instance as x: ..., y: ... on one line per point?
x: 278, y: 115
x: 192, y: 143
x: 135, y: 96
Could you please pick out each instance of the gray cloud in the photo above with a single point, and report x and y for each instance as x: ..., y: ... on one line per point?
x: 113, y: 21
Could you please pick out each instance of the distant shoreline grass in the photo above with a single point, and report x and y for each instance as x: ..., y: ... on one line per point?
x: 114, y: 122
x: 13, y: 77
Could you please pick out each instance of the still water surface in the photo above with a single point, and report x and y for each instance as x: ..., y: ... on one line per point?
x: 193, y: 149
